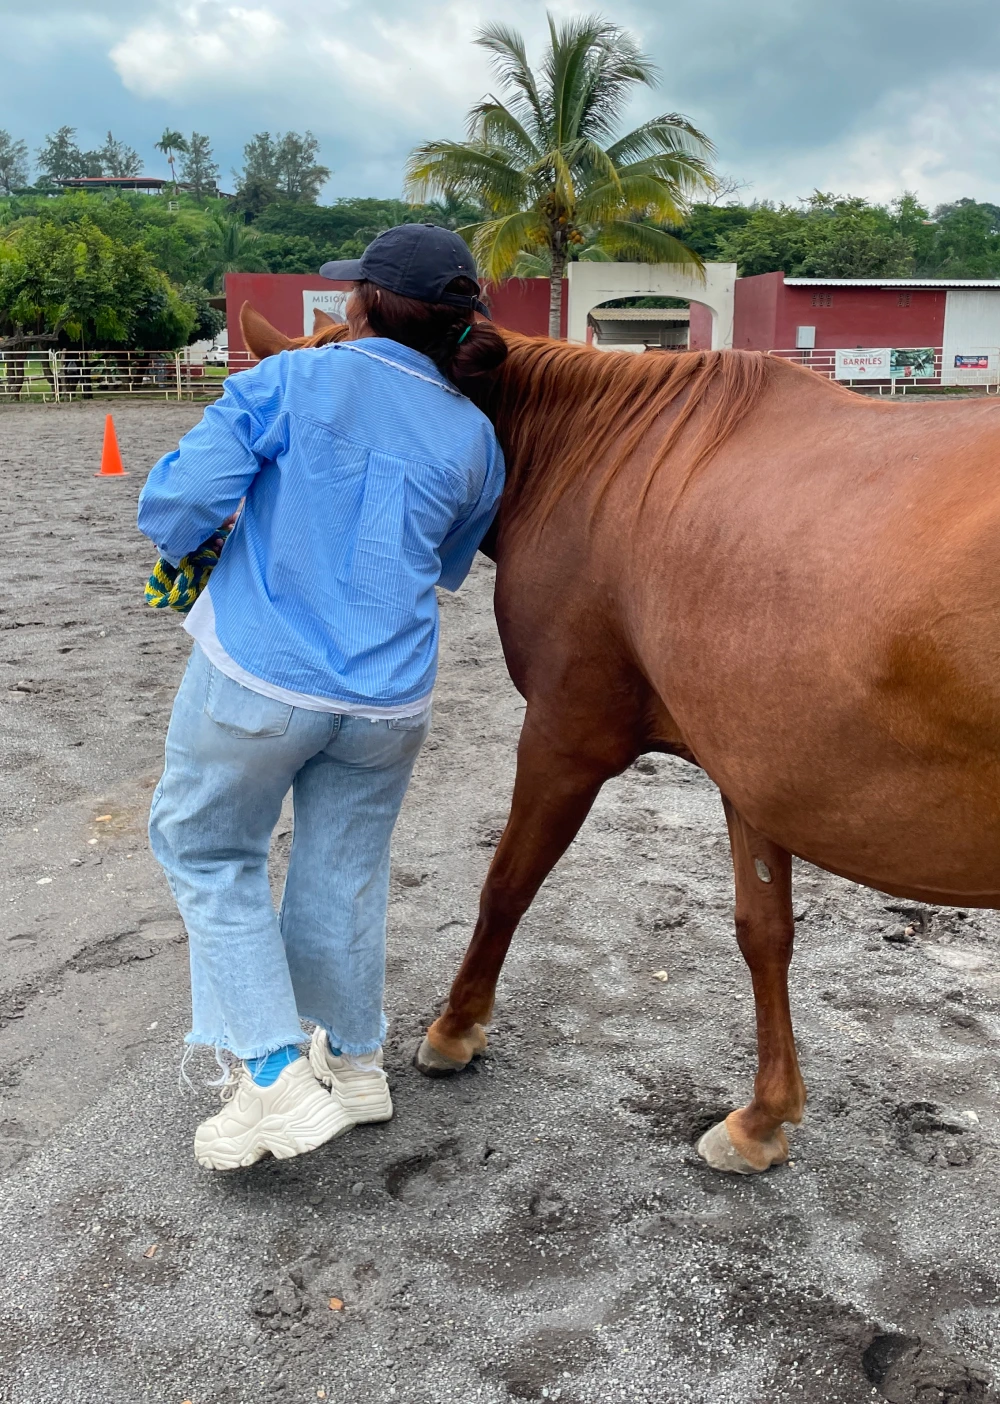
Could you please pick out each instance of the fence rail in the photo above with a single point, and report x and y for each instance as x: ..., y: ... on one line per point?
x: 824, y: 362
x: 60, y: 376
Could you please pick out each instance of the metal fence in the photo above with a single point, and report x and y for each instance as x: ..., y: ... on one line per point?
x: 61, y: 376
x: 824, y: 362
x: 241, y: 360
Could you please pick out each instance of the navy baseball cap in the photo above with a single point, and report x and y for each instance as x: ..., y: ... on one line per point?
x: 414, y: 260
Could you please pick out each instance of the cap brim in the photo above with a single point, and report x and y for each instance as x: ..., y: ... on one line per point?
x: 344, y: 270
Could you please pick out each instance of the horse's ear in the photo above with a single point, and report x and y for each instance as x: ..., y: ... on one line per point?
x: 259, y: 336
x: 322, y: 320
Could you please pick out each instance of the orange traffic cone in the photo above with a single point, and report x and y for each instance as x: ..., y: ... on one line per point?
x: 111, y: 459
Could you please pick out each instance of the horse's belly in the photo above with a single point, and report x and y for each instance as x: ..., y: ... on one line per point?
x: 929, y: 833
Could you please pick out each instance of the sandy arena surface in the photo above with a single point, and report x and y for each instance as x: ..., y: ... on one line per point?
x: 537, y: 1228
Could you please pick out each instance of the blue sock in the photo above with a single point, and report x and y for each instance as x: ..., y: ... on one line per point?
x: 266, y: 1071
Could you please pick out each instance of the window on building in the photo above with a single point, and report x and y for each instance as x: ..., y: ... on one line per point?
x: 903, y: 299
x: 822, y: 299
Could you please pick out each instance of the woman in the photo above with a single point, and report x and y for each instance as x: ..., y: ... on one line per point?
x: 368, y: 477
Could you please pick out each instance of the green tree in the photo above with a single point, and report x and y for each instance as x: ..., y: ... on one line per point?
x: 198, y: 170
x: 547, y: 166
x: 282, y: 167
x: 13, y: 163
x: 61, y: 158
x: 299, y: 173
x: 328, y: 226
x: 288, y: 253
x: 966, y: 242
x: 832, y: 236
x: 89, y: 288
x: 171, y: 143
x: 117, y: 159
x: 231, y: 248
x: 210, y: 320
x: 772, y: 240
x: 163, y: 321
x: 846, y: 237
x: 257, y: 183
x: 451, y: 212
x: 707, y: 224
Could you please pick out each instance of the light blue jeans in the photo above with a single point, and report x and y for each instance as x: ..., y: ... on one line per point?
x: 231, y: 757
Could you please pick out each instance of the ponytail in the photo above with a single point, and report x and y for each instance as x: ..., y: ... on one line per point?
x: 468, y: 352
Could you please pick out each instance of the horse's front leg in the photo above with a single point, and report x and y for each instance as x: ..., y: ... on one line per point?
x: 751, y: 1139
x: 554, y: 788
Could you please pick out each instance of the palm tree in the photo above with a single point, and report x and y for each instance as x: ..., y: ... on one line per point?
x: 169, y: 143
x: 230, y: 249
x: 548, y: 168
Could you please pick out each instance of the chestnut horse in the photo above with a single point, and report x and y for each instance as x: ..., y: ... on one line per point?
x: 724, y: 557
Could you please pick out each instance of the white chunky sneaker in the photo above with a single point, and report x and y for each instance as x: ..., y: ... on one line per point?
x: 295, y: 1114
x: 359, y: 1083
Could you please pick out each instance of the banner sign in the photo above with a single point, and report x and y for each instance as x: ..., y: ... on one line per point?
x: 980, y: 361
x: 899, y: 363
x: 334, y: 303
x: 912, y: 363
x: 862, y: 365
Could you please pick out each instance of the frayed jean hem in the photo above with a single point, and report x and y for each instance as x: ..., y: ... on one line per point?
x: 260, y: 1050
x: 354, y: 1050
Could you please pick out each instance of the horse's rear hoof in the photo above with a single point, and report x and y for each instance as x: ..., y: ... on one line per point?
x: 717, y: 1149
x: 431, y: 1063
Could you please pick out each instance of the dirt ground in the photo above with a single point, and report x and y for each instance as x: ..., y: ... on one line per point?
x: 537, y: 1228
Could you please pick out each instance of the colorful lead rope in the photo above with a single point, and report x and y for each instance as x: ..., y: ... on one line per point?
x: 177, y: 587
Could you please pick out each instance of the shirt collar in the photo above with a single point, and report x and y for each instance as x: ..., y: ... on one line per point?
x: 382, y: 348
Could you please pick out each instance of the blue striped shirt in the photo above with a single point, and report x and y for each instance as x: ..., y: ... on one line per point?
x: 368, y: 479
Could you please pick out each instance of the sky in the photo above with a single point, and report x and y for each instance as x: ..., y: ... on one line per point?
x: 868, y: 97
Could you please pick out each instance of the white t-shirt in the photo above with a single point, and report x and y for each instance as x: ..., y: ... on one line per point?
x: 200, y: 624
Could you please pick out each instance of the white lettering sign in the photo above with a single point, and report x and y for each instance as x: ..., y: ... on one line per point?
x: 863, y: 365
x: 332, y: 302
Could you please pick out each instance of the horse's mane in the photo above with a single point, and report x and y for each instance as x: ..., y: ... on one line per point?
x: 560, y: 409
x: 338, y: 332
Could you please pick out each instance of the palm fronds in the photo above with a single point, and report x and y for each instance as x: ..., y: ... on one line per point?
x: 544, y: 160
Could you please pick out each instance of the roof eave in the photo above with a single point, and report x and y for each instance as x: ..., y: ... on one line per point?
x: 892, y: 283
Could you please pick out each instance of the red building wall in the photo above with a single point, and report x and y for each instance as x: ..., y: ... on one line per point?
x: 519, y: 304
x: 700, y: 328
x: 755, y: 312
x: 276, y: 296
x: 849, y: 317
x: 768, y: 313
x: 522, y: 305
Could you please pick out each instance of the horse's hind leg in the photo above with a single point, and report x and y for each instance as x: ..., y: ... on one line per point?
x: 752, y: 1139
x: 553, y: 792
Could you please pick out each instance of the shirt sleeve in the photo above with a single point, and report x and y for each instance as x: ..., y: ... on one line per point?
x: 192, y: 490
x: 458, y: 550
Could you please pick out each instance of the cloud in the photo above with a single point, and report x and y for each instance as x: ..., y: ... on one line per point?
x: 371, y: 81
x: 176, y: 55
x: 863, y: 95
x: 941, y: 140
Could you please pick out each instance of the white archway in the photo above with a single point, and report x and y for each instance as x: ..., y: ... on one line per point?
x: 590, y: 284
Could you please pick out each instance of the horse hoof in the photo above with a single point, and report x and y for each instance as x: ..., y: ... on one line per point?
x: 717, y: 1149
x: 432, y: 1062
